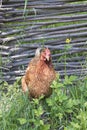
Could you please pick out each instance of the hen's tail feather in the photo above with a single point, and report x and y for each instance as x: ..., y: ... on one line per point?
x: 24, y: 85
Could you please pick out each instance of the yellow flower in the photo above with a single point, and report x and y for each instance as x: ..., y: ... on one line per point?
x: 68, y: 40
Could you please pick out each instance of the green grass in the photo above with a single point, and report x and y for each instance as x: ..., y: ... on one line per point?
x: 65, y: 109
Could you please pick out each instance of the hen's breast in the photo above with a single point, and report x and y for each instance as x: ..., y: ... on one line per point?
x: 39, y: 78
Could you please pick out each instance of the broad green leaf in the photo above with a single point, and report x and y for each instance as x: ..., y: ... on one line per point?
x: 45, y: 127
x: 38, y: 111
x: 75, y: 125
x: 72, y: 78
x: 22, y: 121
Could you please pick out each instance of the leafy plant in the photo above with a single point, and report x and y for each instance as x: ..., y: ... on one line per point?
x: 65, y: 109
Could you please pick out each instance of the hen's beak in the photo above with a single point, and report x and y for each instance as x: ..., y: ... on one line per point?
x: 47, y: 57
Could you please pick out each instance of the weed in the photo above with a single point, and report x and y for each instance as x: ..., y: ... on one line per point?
x: 65, y: 109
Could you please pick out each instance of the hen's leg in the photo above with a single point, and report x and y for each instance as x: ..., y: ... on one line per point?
x: 24, y: 85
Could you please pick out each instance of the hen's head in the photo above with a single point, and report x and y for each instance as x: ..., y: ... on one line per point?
x: 45, y: 54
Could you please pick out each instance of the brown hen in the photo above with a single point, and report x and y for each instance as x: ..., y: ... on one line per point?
x: 39, y: 74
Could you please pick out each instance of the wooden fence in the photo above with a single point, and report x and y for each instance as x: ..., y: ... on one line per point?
x: 60, y: 25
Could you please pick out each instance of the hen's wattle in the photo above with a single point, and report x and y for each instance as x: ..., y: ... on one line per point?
x: 39, y: 74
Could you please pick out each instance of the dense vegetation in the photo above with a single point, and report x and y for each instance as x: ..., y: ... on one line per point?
x: 65, y: 109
